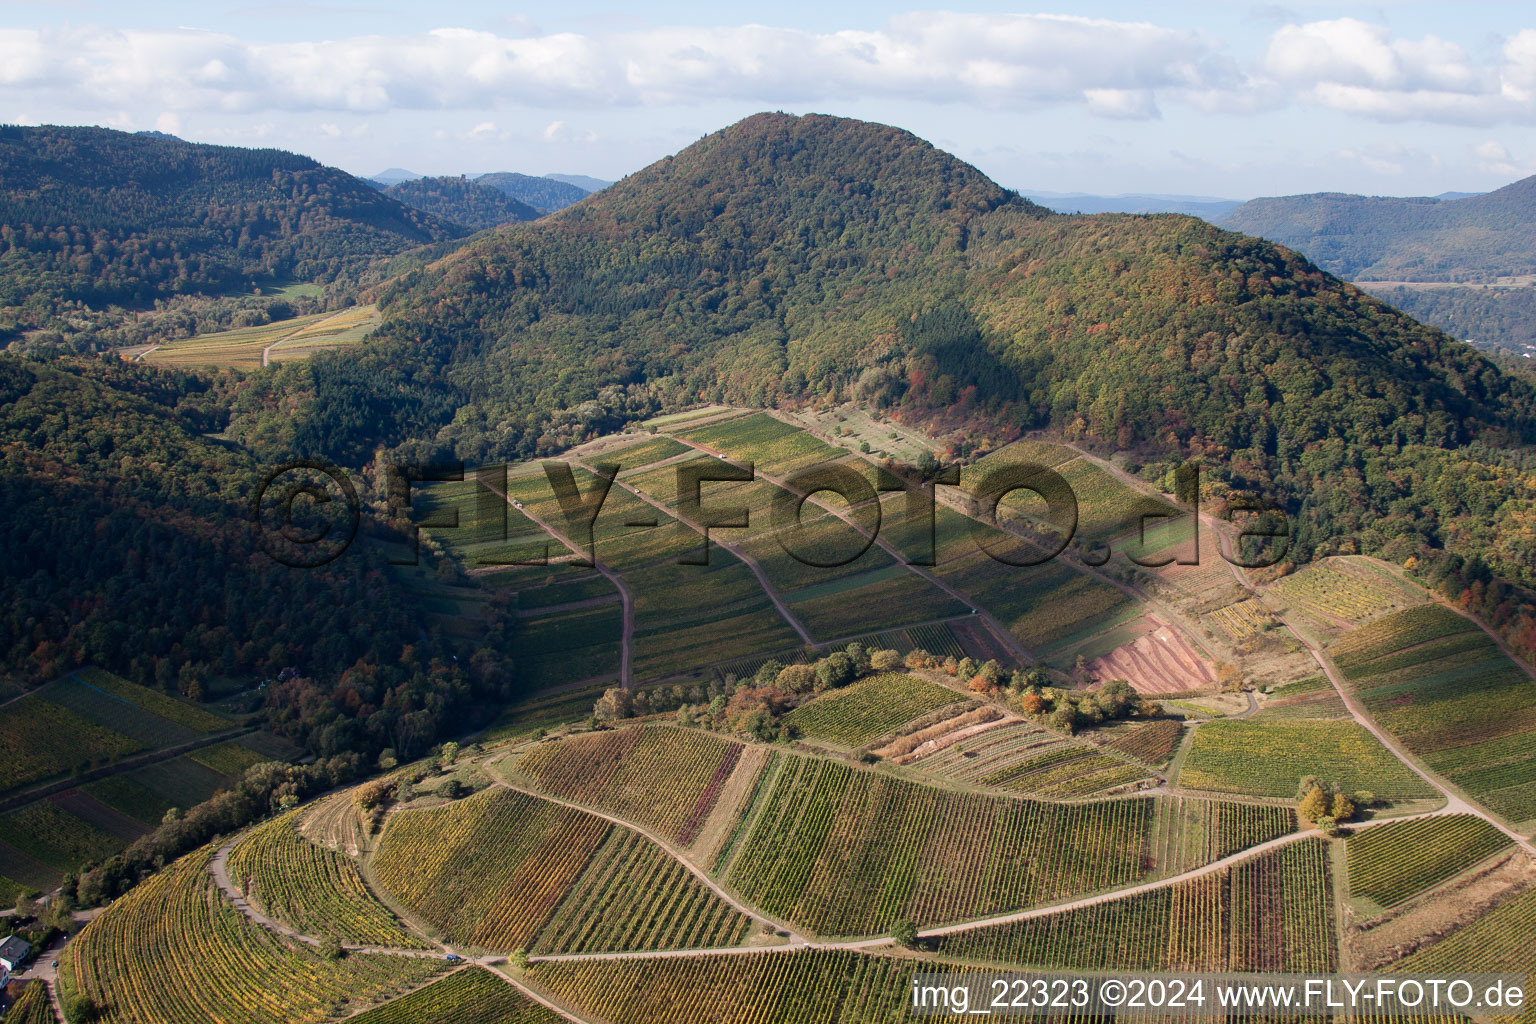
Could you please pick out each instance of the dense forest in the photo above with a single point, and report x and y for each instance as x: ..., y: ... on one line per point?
x: 471, y: 204
x: 1385, y: 238
x: 544, y: 194
x: 131, y: 546
x: 1489, y: 317
x: 92, y: 218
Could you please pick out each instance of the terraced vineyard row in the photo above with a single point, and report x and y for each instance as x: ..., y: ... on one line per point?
x: 471, y: 996
x: 1022, y: 757
x: 1151, y: 743
x: 1398, y: 860
x: 869, y: 708
x: 1241, y: 620
x: 1344, y: 589
x: 1188, y: 832
x: 1272, y: 913
x: 848, y: 852
x: 1500, y: 942
x: 174, y: 951
x: 618, y: 771
x: 314, y: 889
x: 503, y: 870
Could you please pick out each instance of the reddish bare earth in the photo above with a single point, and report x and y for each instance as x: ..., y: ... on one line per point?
x: 1161, y: 660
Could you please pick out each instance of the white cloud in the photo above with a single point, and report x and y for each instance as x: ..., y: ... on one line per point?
x: 1494, y: 158
x: 1357, y: 68
x: 1112, y: 69
x: 483, y: 130
x: 998, y: 61
x: 168, y: 123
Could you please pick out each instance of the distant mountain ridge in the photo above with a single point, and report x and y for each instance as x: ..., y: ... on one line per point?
x: 546, y: 193
x: 100, y: 216
x: 1459, y: 261
x: 474, y: 205
x: 1382, y: 238
x: 1210, y: 208
x: 582, y: 181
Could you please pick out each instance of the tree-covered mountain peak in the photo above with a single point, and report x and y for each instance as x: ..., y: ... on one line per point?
x: 807, y: 177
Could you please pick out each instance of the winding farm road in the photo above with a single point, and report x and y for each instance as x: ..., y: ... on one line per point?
x: 885, y: 545
x: 746, y: 559
x: 693, y: 868
x: 627, y: 641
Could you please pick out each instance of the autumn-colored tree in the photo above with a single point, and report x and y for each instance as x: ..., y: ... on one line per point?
x: 1315, y: 804
x: 1343, y: 808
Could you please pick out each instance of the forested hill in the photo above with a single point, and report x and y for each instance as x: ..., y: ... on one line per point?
x: 789, y: 259
x: 1382, y: 238
x: 473, y: 205
x: 130, y: 546
x: 546, y: 194
x: 99, y: 216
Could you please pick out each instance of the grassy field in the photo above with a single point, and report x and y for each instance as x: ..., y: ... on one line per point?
x: 869, y: 708
x: 1261, y: 758
x: 296, y: 338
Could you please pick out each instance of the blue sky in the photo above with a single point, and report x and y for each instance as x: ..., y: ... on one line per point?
x: 1212, y: 99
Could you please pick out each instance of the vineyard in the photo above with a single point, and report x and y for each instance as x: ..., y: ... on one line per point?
x: 869, y: 708
x: 848, y: 852
x: 1439, y: 684
x: 1343, y: 588
x: 1313, y: 697
x: 1241, y: 620
x: 1022, y: 757
x: 618, y: 771
x: 42, y: 740
x: 1401, y: 859
x: 1190, y: 831
x: 504, y: 870
x: 1500, y: 942
x: 471, y: 996
x: 31, y: 1007
x: 1151, y: 743
x: 50, y: 835
x: 1270, y: 913
x: 174, y: 951
x: 802, y: 987
x: 314, y: 889
x: 1268, y: 758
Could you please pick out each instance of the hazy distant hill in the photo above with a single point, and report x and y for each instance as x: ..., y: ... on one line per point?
x: 545, y: 194
x: 1384, y: 238
x: 394, y: 176
x: 581, y: 181
x: 99, y: 216
x: 1208, y: 207
x: 1484, y: 245
x: 473, y: 204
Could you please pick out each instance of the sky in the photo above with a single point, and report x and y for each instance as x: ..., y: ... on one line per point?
x: 1217, y: 99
